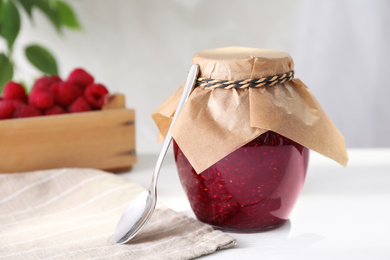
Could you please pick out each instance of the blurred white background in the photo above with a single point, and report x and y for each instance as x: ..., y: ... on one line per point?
x: 143, y: 48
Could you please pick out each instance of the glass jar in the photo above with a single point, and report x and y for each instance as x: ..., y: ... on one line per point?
x: 252, y: 189
x: 239, y: 93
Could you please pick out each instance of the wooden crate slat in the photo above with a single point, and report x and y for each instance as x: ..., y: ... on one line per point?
x: 98, y: 139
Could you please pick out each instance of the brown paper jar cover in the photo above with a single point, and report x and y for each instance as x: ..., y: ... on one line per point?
x: 215, y: 122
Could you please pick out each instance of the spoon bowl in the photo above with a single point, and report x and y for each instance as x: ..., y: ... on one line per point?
x: 135, y: 216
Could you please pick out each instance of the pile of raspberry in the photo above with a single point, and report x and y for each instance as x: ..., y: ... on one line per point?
x: 50, y: 95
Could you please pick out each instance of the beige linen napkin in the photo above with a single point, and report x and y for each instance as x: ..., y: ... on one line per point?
x: 72, y: 213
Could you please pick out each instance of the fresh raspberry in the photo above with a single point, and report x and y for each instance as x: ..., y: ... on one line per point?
x: 13, y: 90
x: 55, y: 110
x: 26, y: 111
x: 6, y: 109
x: 44, y: 83
x: 80, y: 77
x: 54, y: 89
x: 55, y: 78
x: 65, y: 93
x: 80, y: 105
x: 41, y: 99
x: 17, y: 102
x: 95, y: 94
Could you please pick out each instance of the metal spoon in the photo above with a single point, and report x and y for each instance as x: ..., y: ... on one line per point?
x: 141, y: 209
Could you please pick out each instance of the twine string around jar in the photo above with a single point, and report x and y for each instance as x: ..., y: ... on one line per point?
x: 248, y: 83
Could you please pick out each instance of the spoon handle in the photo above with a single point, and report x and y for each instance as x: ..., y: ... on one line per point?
x: 190, y: 82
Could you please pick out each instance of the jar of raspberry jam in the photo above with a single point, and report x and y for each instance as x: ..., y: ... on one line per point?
x: 252, y: 189
x: 242, y: 140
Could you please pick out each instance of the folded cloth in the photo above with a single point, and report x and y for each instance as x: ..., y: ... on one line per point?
x: 72, y: 214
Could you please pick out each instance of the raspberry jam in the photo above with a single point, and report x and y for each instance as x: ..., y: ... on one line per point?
x: 252, y: 189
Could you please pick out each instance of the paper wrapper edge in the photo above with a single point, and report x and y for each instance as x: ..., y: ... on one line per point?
x: 214, y: 123
x: 291, y: 110
x: 163, y: 115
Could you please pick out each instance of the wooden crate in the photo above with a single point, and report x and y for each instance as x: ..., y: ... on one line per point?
x: 98, y: 139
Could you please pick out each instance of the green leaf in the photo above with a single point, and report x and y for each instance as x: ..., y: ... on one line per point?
x: 1, y: 10
x: 6, y: 71
x: 67, y: 16
x: 10, y: 22
x: 51, y: 11
x: 27, y: 5
x: 42, y: 59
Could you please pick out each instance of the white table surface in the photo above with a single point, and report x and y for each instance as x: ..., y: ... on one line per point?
x: 342, y: 213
